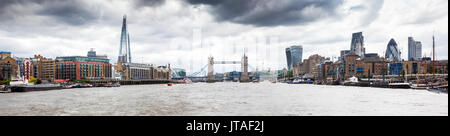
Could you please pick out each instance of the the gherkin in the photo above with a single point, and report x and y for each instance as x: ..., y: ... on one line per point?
x: 392, y: 52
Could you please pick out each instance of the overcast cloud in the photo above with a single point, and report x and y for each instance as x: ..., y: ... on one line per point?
x: 185, y: 32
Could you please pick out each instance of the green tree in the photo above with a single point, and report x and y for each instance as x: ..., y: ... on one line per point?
x: 83, y: 81
x: 290, y: 73
x: 429, y: 69
x: 32, y: 80
x: 5, y: 82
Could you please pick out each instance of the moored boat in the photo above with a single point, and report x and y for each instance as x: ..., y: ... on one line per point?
x: 399, y: 85
x: 40, y: 87
x: 78, y: 85
x: 112, y: 85
x: 439, y: 89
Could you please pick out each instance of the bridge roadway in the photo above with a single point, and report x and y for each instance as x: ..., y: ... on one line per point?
x: 134, y: 82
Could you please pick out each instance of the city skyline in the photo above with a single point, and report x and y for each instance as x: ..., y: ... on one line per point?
x: 185, y: 32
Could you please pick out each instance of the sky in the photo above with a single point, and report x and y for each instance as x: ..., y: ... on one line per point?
x: 185, y: 33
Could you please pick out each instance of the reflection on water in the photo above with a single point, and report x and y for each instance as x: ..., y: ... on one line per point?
x: 226, y: 99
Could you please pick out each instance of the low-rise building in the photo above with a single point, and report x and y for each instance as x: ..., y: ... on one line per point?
x: 350, y: 65
x: 5, y: 71
x: 309, y: 66
x: 5, y: 57
x: 369, y: 66
x: 137, y: 71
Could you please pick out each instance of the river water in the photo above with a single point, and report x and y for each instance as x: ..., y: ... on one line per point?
x: 228, y: 99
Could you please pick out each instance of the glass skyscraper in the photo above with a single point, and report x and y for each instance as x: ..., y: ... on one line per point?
x: 124, y: 51
x: 297, y: 54
x: 288, y: 58
x: 392, y: 52
x: 294, y: 55
x: 357, y: 45
x: 418, y: 50
x: 414, y: 49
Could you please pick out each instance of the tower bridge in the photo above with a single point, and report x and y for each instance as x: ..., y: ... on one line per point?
x: 210, y: 78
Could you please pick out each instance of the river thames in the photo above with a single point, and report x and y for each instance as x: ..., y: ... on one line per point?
x: 229, y: 99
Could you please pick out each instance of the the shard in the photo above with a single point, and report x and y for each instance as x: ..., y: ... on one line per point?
x: 124, y: 51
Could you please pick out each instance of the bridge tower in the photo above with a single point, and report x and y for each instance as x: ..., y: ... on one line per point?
x: 210, y: 76
x: 244, y: 69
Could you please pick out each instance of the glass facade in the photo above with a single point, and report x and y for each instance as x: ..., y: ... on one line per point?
x: 392, y: 52
x: 357, y: 45
x: 296, y: 54
x: 395, y: 68
x: 81, y: 59
x: 418, y: 50
x: 411, y: 49
x: 288, y: 58
x: 414, y: 49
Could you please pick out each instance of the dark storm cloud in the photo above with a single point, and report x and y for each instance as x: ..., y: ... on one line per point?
x: 149, y: 3
x: 270, y: 12
x: 73, y: 12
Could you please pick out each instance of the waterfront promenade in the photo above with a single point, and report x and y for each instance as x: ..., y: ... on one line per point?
x: 225, y: 98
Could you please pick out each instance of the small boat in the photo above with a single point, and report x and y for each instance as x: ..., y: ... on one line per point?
x: 78, y: 85
x: 255, y: 81
x: 309, y: 81
x: 419, y: 84
x: 296, y: 81
x: 440, y: 89
x: 399, y: 85
x: 112, y: 85
x: 185, y: 81
x: 353, y: 81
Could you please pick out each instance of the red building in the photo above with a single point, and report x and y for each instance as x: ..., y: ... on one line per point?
x: 82, y: 68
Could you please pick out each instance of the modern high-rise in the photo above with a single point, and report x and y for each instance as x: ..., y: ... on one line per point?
x: 288, y: 58
x: 418, y: 50
x: 411, y: 49
x: 357, y: 45
x: 124, y: 51
x: 414, y: 49
x: 294, y: 55
x: 392, y: 52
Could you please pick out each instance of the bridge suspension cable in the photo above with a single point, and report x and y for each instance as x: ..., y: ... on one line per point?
x: 195, y: 74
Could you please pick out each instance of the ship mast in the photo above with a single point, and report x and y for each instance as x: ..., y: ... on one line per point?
x: 433, y: 58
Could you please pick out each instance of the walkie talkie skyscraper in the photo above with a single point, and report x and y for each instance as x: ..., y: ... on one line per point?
x: 125, y: 50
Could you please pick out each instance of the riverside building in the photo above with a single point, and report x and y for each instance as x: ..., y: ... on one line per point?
x: 82, y: 68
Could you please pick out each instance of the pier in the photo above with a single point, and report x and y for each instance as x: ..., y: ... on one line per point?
x: 134, y: 82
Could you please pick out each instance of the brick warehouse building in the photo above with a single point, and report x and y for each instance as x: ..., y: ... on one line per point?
x: 82, y: 68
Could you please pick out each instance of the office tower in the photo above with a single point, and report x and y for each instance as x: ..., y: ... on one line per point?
x: 357, y: 45
x: 288, y: 58
x: 392, y: 52
x: 411, y: 49
x: 418, y: 50
x: 414, y: 49
x: 296, y: 54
